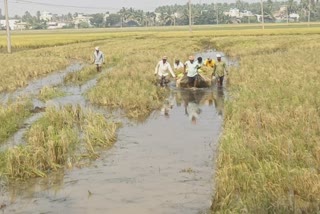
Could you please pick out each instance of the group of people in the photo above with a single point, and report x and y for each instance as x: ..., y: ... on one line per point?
x: 191, y: 69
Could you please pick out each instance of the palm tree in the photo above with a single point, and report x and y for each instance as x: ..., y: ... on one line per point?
x: 150, y: 18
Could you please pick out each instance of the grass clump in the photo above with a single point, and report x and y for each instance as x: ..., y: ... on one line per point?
x: 50, y: 142
x: 48, y: 93
x: 12, y: 117
x: 56, y: 141
x: 136, y: 95
x: 98, y: 133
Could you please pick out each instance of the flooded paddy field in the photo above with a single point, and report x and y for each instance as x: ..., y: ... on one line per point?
x: 164, y: 164
x: 268, y: 157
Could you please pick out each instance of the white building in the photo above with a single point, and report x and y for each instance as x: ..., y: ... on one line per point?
x: 233, y: 12
x: 236, y: 13
x: 46, y: 16
x: 21, y: 25
x: 56, y: 25
x: 82, y: 18
x: 246, y: 13
x: 294, y: 16
x: 12, y: 23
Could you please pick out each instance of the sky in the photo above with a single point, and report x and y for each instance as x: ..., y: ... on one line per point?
x: 18, y: 7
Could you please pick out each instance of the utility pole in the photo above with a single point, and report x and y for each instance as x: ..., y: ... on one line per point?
x: 216, y: 9
x: 309, y: 13
x: 190, y: 18
x: 262, y: 14
x: 287, y: 15
x: 217, y: 14
x: 8, y: 26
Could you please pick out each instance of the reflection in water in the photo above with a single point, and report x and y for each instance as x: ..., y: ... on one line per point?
x: 219, y: 100
x: 193, y: 100
x: 167, y: 106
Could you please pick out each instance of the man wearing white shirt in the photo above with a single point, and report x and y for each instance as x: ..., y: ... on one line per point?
x: 98, y: 58
x: 162, y: 69
x: 177, y: 64
x: 191, y: 68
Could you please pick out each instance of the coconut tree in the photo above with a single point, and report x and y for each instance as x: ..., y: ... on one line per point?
x: 150, y: 18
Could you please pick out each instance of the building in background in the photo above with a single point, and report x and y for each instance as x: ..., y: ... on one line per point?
x: 46, y: 16
x: 12, y: 24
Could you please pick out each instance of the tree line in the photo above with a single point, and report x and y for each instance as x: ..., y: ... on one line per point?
x: 202, y: 14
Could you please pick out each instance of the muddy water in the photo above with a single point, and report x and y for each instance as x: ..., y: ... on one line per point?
x: 164, y: 165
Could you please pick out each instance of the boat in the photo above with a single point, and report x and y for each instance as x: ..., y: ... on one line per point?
x: 204, y: 79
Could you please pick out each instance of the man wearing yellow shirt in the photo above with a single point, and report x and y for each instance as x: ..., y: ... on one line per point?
x: 209, y: 62
x: 219, y: 69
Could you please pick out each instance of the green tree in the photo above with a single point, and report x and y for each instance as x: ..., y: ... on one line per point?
x: 83, y: 25
x: 292, y: 6
x: 113, y: 20
x: 97, y: 20
x: 1, y: 16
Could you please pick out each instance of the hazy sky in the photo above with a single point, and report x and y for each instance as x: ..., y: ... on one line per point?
x: 91, y: 6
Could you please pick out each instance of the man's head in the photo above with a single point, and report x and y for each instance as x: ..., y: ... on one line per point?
x: 177, y: 61
x: 191, y: 59
x: 219, y: 57
x: 96, y: 48
x: 164, y: 59
x: 209, y: 59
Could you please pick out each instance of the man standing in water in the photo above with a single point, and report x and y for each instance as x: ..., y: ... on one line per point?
x: 191, y: 68
x: 162, y: 69
x: 209, y: 62
x: 219, y: 69
x: 98, y: 59
x: 177, y: 64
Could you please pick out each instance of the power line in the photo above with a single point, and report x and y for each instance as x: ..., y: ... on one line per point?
x: 62, y: 5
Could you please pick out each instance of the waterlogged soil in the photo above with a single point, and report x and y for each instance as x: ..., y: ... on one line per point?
x: 162, y: 165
